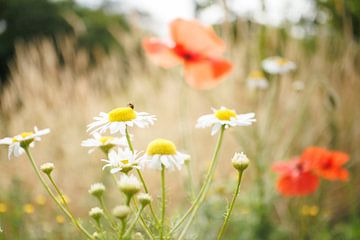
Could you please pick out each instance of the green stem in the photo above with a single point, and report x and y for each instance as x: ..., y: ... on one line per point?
x: 163, y: 201
x: 123, y: 227
x: 47, y: 188
x: 64, y: 202
x: 203, y: 191
x: 228, y: 212
x: 107, y: 214
x: 141, y: 176
x: 134, y: 222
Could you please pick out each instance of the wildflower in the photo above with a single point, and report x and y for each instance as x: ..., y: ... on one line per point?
x: 23, y: 140
x: 129, y: 185
x: 47, y: 168
x: 278, y: 65
x: 197, y: 48
x: 96, y: 213
x: 118, y: 119
x: 28, y: 208
x: 3, y: 207
x: 296, y: 178
x: 40, y: 200
x: 224, y: 117
x: 105, y: 143
x: 163, y: 152
x: 122, y: 160
x: 257, y: 80
x: 97, y: 190
x: 325, y: 163
x: 307, y: 210
x: 121, y: 212
x: 60, y: 219
x: 144, y: 199
x: 240, y: 161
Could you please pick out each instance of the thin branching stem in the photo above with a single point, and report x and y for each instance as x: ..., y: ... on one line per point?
x: 163, y: 201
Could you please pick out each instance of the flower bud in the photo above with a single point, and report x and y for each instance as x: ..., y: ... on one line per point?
x: 96, y: 213
x: 129, y: 185
x: 144, y: 199
x: 47, y: 168
x: 96, y: 235
x: 121, y: 212
x: 97, y: 189
x: 240, y: 161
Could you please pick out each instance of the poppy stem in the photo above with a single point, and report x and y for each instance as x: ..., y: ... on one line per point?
x: 203, y: 191
x: 229, y: 210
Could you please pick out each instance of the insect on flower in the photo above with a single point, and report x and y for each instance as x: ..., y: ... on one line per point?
x: 194, y: 46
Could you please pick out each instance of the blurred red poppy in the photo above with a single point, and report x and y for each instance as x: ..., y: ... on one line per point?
x: 196, y: 47
x: 295, y: 179
x: 325, y: 163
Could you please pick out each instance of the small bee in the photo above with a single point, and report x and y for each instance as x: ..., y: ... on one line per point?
x: 130, y: 105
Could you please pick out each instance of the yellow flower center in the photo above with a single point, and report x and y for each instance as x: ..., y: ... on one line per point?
x: 28, y: 208
x: 23, y: 135
x: 256, y: 75
x: 122, y: 114
x: 282, y: 61
x: 225, y: 114
x: 3, y: 207
x: 125, y: 161
x: 104, y: 140
x: 161, y: 146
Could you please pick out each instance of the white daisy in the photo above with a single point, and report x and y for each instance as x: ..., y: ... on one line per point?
x: 257, y: 80
x: 105, y: 143
x: 17, y: 143
x: 163, y: 152
x: 122, y: 160
x: 118, y: 119
x: 224, y: 117
x: 278, y: 65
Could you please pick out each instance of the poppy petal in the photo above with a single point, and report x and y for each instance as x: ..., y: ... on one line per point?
x: 303, y: 184
x: 196, y: 38
x: 207, y: 73
x: 160, y: 53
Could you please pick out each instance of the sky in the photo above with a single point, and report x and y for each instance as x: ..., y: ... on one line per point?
x: 163, y: 11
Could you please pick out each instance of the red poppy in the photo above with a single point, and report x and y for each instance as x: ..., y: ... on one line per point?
x: 295, y: 179
x: 325, y: 163
x: 196, y: 47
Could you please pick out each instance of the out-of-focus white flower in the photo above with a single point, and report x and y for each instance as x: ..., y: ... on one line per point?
x: 224, y: 117
x: 118, y: 119
x: 162, y: 152
x: 97, y: 189
x: 105, y: 143
x: 278, y: 65
x: 25, y: 139
x: 257, y: 80
x: 121, y: 160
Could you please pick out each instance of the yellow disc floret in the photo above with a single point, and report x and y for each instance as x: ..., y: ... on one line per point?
x: 122, y: 114
x: 162, y: 147
x: 282, y: 61
x: 22, y: 135
x: 225, y: 114
x: 105, y: 139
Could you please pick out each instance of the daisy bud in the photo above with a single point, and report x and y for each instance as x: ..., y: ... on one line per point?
x: 144, y: 199
x: 121, y: 212
x: 96, y: 213
x: 47, y: 168
x: 240, y: 161
x: 129, y: 185
x: 97, y: 189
